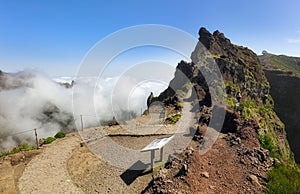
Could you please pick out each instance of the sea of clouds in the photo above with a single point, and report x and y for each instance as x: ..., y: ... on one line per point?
x: 31, y: 100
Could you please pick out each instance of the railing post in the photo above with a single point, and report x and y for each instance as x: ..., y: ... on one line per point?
x: 36, y: 139
x: 81, y: 122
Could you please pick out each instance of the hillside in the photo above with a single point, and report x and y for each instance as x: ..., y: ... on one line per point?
x: 252, y: 153
x: 283, y: 73
x: 285, y: 64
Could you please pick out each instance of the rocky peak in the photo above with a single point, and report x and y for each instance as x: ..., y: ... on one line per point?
x: 238, y: 65
x: 240, y: 68
x: 217, y: 39
x: 205, y: 37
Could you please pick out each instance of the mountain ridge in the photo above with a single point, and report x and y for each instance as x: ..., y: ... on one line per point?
x: 253, y: 126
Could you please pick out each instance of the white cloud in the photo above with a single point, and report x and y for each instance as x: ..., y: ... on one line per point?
x: 63, y: 79
x: 294, y: 41
x: 32, y: 96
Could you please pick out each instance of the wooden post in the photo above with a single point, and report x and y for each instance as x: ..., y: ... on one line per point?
x: 81, y: 122
x: 152, y: 159
x: 36, y: 139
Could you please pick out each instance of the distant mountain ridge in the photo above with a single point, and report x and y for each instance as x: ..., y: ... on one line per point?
x: 282, y: 63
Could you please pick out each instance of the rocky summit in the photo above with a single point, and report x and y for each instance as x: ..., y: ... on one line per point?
x: 251, y: 148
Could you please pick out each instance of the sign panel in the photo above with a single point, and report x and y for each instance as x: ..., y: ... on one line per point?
x: 157, y: 143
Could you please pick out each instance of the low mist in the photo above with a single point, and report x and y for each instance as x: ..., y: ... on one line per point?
x: 31, y: 100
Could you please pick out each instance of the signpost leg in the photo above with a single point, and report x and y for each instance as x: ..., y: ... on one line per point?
x: 152, y: 159
x: 161, y: 154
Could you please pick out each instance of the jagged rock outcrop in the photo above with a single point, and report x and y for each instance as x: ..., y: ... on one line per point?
x: 68, y: 85
x: 237, y: 64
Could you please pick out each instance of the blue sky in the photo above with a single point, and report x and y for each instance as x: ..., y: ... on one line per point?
x: 53, y: 36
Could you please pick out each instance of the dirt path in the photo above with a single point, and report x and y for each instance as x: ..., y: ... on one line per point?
x: 47, y: 172
x: 95, y: 175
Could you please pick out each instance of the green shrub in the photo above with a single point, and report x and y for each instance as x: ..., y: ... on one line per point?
x: 179, y: 105
x: 60, y: 134
x: 49, y: 140
x: 284, y: 179
x: 230, y: 102
x: 266, y: 142
x: 173, y: 119
x: 233, y: 87
x: 25, y: 147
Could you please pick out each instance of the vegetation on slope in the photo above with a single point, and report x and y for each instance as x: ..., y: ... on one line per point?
x: 286, y: 64
x: 20, y: 148
x: 23, y: 147
x: 49, y: 140
x: 284, y: 176
x: 284, y: 179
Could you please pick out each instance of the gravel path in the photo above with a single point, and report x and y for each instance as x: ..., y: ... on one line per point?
x: 47, y: 172
x: 94, y: 175
x: 110, y: 172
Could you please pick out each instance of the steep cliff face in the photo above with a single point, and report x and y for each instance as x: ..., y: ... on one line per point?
x: 252, y: 139
x: 286, y: 93
x: 283, y: 73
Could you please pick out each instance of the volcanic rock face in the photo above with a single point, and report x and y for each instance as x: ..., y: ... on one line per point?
x: 237, y: 64
x: 236, y: 162
x: 216, y: 42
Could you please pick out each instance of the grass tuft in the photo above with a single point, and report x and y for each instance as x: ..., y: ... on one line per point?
x: 284, y: 179
x: 21, y: 148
